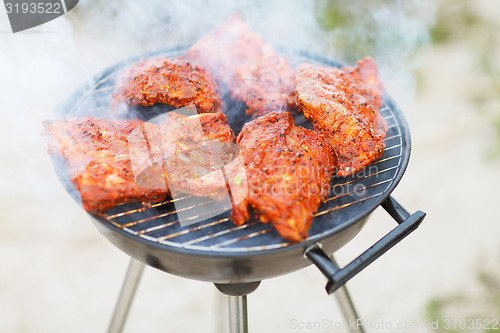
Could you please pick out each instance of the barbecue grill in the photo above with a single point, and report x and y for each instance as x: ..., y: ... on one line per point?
x: 237, y: 258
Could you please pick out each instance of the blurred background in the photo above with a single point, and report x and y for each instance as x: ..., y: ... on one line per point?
x: 440, y: 61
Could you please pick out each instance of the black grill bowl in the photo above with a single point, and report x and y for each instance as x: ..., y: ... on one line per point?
x: 216, y: 250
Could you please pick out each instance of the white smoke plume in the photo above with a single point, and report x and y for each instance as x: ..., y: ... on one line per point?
x: 388, y: 30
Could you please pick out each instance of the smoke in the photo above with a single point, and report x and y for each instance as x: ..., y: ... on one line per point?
x: 390, y: 31
x: 162, y: 24
x: 35, y: 74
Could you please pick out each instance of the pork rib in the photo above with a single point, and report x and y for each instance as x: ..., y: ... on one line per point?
x: 343, y: 104
x: 288, y: 171
x: 172, y: 81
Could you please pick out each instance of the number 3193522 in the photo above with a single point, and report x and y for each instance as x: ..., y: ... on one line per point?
x: 34, y: 8
x: 487, y: 324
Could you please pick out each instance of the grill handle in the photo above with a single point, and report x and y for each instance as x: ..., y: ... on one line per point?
x: 337, y: 276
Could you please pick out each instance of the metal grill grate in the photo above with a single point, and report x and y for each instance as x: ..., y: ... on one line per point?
x: 351, y: 198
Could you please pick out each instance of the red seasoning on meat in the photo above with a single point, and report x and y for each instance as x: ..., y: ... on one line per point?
x: 98, y: 160
x: 111, y: 162
x: 288, y: 171
x: 172, y: 81
x: 194, y: 145
x: 344, y: 105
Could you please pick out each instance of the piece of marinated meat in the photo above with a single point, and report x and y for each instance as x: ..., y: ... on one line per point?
x: 252, y: 71
x: 288, y: 170
x: 118, y: 161
x: 172, y: 81
x: 344, y: 105
x: 98, y: 157
x: 193, y: 146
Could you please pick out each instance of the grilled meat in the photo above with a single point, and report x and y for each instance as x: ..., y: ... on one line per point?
x: 98, y: 156
x: 172, y: 81
x: 288, y: 172
x: 120, y: 161
x: 282, y: 172
x: 344, y: 105
x: 252, y: 71
x: 194, y: 146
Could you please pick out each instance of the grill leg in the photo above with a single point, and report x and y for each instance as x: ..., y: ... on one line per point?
x: 126, y: 297
x: 237, y: 300
x: 347, y: 308
x: 238, y: 318
x: 350, y: 315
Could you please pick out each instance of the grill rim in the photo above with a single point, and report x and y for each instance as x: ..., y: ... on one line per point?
x: 228, y: 252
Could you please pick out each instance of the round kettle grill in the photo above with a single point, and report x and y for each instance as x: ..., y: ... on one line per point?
x: 237, y: 258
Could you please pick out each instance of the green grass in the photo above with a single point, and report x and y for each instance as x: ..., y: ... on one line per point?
x: 454, y: 20
x: 460, y: 306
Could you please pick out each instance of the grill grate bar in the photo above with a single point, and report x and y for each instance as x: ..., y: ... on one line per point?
x: 200, y: 227
x: 102, y: 89
x: 346, y: 205
x: 217, y: 234
x: 100, y: 86
x: 95, y: 101
x: 105, y: 88
x: 104, y: 108
x: 238, y: 239
x: 392, y: 147
x: 109, y: 78
x: 117, y: 225
x: 386, y: 159
x: 130, y: 224
x: 145, y: 207
x: 393, y: 137
x: 88, y: 96
x: 357, y: 190
x: 160, y: 216
x: 149, y: 238
x: 367, y: 176
x: 258, y: 248
x: 157, y: 227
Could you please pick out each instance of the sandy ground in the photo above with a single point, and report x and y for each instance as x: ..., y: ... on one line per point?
x: 59, y: 274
